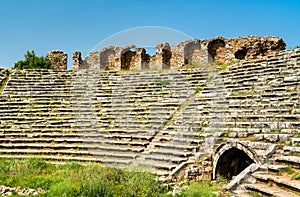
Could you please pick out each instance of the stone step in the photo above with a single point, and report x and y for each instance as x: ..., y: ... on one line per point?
x: 168, y: 152
x: 293, y: 160
x: 178, y: 140
x: 176, y: 146
x: 72, y: 153
x: 121, y: 141
x: 292, y: 185
x: 273, y: 168
x: 70, y: 158
x: 159, y: 165
x: 291, y: 150
x: 164, y: 158
x: 91, y: 147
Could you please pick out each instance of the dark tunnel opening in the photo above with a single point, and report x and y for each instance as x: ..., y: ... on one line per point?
x: 127, y: 59
x: 232, y: 162
x: 240, y: 54
x: 213, y: 47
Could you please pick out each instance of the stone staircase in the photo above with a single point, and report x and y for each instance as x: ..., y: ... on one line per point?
x: 87, y: 115
x: 263, y: 112
x: 272, y: 179
x: 275, y: 176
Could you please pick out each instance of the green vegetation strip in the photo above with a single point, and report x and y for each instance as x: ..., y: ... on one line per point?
x: 3, y: 82
x: 89, y: 180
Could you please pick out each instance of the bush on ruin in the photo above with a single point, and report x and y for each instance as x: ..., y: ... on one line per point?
x: 32, y: 61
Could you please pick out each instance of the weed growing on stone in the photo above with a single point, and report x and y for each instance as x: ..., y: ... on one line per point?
x: 163, y: 83
x: 288, y: 170
x: 248, y: 93
x: 256, y: 195
x: 297, y: 176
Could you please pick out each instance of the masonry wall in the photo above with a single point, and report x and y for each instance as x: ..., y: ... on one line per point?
x: 59, y: 59
x: 193, y: 51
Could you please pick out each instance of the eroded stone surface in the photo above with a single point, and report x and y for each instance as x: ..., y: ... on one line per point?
x: 77, y: 60
x: 195, y: 51
x: 59, y: 59
x: 8, y: 191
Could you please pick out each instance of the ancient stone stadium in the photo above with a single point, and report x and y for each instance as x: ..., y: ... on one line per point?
x: 199, y: 110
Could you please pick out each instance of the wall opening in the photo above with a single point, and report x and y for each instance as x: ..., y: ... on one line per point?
x: 240, y: 54
x: 213, y: 46
x: 192, y: 53
x: 166, y: 58
x: 127, y: 59
x: 145, y: 59
x: 232, y: 162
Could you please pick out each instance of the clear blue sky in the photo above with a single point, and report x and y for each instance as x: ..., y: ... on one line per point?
x: 69, y: 25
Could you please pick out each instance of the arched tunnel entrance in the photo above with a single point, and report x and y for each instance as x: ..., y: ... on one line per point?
x: 240, y: 54
x: 127, y: 59
x: 232, y: 162
x: 213, y: 46
x: 166, y: 58
x: 231, y: 158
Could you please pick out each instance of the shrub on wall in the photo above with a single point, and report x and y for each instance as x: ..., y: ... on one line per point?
x: 32, y: 61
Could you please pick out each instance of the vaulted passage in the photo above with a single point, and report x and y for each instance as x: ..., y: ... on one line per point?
x: 127, y: 59
x: 232, y: 162
x: 213, y: 46
x: 145, y: 59
x: 240, y: 54
x: 166, y: 57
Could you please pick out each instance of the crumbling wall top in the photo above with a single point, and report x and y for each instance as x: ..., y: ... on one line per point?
x: 59, y: 59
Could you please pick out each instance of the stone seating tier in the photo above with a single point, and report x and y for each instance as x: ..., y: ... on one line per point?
x: 159, y: 118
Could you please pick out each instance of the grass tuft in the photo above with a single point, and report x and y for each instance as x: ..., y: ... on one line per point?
x: 73, y: 179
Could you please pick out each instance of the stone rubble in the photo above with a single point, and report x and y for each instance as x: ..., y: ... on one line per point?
x: 8, y: 191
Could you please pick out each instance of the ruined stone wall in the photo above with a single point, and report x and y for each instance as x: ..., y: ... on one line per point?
x: 243, y: 48
x: 76, y: 60
x: 92, y: 61
x: 59, y: 59
x: 193, y: 51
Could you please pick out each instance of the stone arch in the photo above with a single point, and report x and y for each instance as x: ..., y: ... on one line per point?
x: 241, y: 54
x: 192, y: 52
x: 213, y: 46
x: 128, y: 58
x: 107, y: 58
x: 232, y: 158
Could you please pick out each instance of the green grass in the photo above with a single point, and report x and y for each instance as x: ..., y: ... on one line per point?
x: 73, y: 179
x: 163, y: 83
x: 288, y: 170
x: 248, y: 93
x: 204, y: 66
x: 297, y: 176
x: 203, y: 189
x: 223, y: 66
x: 77, y: 180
